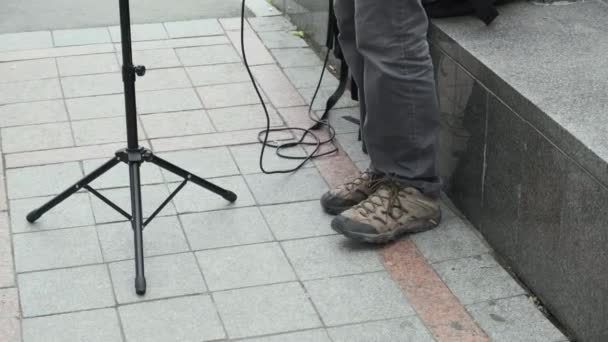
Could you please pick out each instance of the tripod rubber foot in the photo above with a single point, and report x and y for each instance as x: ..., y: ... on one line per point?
x: 140, y: 285
x: 32, y: 216
x: 230, y: 196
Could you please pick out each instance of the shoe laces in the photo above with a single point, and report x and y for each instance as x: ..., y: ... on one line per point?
x: 376, y: 199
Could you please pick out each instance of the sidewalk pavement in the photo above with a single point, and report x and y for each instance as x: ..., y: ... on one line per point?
x: 268, y: 267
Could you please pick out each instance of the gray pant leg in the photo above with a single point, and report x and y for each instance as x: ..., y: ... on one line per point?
x: 402, y: 119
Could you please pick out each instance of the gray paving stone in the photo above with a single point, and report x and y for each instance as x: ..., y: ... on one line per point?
x: 8, y: 56
x: 308, y: 77
x: 254, y: 48
x: 358, y: 298
x: 297, y: 57
x: 176, y: 124
x: 233, y: 24
x: 32, y: 113
x: 193, y: 28
x: 297, y: 220
x: 26, y: 40
x: 88, y: 64
x: 73, y: 212
x: 119, y: 175
x: 158, y: 79
x: 167, y: 101
x: 278, y: 88
x: 89, y: 85
x: 14, y: 92
x: 330, y: 256
x: 91, y: 326
x: 362, y: 165
x: 228, y: 95
x: 262, y: 24
x: 265, y: 310
x: 242, y: 266
x: 408, y: 329
x: 224, y: 228
x: 141, y: 32
x: 9, y: 303
x: 34, y: 181
x: 306, y: 184
x: 217, y: 74
x: 477, y: 279
x: 324, y: 93
x: 7, y: 271
x: 36, y: 137
x: 338, y: 121
x: 248, y: 158
x: 514, y: 319
x: 28, y: 70
x: 350, y: 144
x: 177, y: 43
x: 65, y: 290
x: 281, y: 39
x: 195, y: 199
x: 452, y: 239
x: 214, y: 54
x: 262, y: 8
x: 243, y: 117
x: 153, y: 59
x: 152, y: 197
x: 186, y: 319
x: 205, y: 163
x: 162, y: 236
x: 101, y: 131
x: 81, y: 36
x: 56, y: 249
x: 317, y: 335
x: 10, y: 330
x: 96, y: 107
x: 167, y: 276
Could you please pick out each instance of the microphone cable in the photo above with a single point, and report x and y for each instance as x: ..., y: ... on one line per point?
x: 263, y: 135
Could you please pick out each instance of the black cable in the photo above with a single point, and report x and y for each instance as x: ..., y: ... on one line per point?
x: 306, y: 131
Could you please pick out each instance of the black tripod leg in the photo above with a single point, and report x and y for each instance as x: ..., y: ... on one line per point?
x: 226, y: 194
x: 36, y: 213
x: 138, y: 226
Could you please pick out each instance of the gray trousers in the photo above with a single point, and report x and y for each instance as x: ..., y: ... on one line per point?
x: 385, y: 45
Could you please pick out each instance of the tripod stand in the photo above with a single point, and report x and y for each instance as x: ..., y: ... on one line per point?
x: 134, y: 155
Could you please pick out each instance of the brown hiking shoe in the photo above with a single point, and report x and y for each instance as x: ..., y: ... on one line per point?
x: 391, y: 211
x: 349, y: 194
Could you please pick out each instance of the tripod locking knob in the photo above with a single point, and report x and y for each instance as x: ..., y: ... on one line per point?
x: 140, y: 70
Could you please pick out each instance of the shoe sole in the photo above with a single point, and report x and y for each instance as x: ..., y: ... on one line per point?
x: 382, y: 238
x: 335, y: 210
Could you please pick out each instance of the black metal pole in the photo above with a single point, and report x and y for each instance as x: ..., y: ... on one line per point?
x: 128, y: 75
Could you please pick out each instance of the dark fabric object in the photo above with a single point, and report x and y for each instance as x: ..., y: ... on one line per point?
x: 483, y: 9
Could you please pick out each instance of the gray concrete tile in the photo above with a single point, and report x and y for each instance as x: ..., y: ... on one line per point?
x: 254, y: 48
x: 281, y: 39
x: 297, y: 57
x: 141, y: 32
x: 28, y: 70
x: 362, y: 165
x: 358, y: 298
x: 91, y: 326
x: 232, y: 24
x: 297, y: 220
x: 10, y: 330
x: 26, y: 40
x: 278, y: 23
x: 477, y: 279
x: 228, y: 95
x: 214, y: 54
x: 194, y: 198
x: 352, y: 146
x: 32, y: 113
x: 96, y: 107
x: 158, y: 79
x: 56, y: 249
x: 7, y: 270
x: 89, y: 85
x: 9, y: 300
x: 36, y: 137
x: 153, y: 59
x: 338, y: 121
x: 177, y: 43
x: 88, y: 64
x: 73, y: 212
x: 396, y: 330
x: 514, y: 319
x: 224, y: 228
x: 119, y: 175
x: 262, y: 8
x: 65, y: 290
x: 452, y: 239
x: 308, y: 77
x: 162, y: 236
x: 167, y: 101
x: 193, y: 28
x: 243, y: 117
x: 176, y: 123
x: 278, y: 88
x: 241, y: 266
x: 14, y: 92
x: 205, y: 163
x: 152, y: 197
x: 317, y: 335
x: 34, y: 181
x: 248, y: 158
x: 185, y: 319
x: 81, y: 36
x: 330, y: 256
x: 217, y: 74
x: 167, y: 276
x: 325, y: 92
x: 306, y: 184
x: 101, y: 131
x: 265, y: 310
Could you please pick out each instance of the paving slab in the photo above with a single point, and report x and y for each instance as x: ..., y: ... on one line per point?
x: 40, y: 137
x: 28, y: 70
x: 29, y: 113
x: 75, y: 211
x: 297, y: 220
x: 25, y: 40
x: 81, y: 36
x: 397, y: 330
